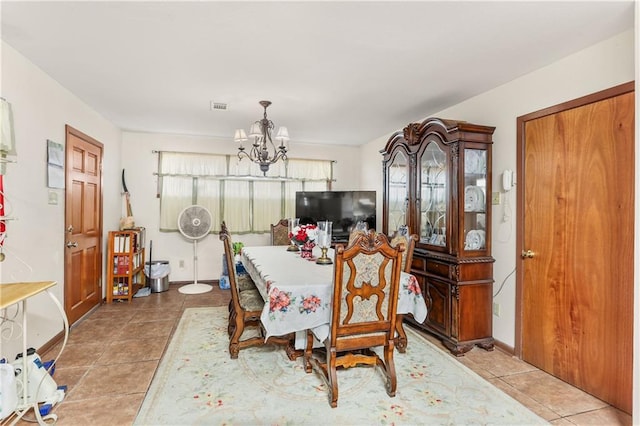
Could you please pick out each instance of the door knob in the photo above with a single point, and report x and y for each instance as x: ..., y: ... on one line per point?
x: 527, y: 254
x: 72, y: 244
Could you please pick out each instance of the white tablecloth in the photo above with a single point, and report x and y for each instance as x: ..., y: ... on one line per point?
x: 298, y: 292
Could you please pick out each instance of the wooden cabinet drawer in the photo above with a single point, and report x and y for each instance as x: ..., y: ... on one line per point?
x: 418, y: 263
x: 439, y: 268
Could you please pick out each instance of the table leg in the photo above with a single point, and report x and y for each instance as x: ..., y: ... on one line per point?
x: 292, y: 352
x: 289, y: 343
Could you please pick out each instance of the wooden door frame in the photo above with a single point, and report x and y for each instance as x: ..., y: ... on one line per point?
x: 520, y: 201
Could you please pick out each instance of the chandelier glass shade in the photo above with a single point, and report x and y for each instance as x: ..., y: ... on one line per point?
x: 263, y: 151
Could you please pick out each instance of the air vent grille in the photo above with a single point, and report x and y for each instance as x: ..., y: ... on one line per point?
x: 218, y: 106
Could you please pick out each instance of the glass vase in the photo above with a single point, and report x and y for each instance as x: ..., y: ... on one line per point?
x: 293, y: 223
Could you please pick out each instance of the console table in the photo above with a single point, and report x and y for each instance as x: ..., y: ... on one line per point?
x: 18, y: 293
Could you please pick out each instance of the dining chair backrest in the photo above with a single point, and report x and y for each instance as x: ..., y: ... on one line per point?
x: 280, y: 233
x: 360, y: 228
x: 366, y: 281
x: 410, y: 244
x: 361, y: 225
x: 355, y: 233
x: 246, y: 304
x: 230, y: 263
x: 365, y: 298
x: 243, y: 281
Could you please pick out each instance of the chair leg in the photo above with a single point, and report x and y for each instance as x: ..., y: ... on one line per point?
x: 401, y: 338
x: 332, y: 376
x: 390, y: 370
x: 232, y: 322
x: 234, y: 339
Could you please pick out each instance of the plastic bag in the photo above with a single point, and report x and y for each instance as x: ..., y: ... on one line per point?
x: 8, y: 390
x: 158, y: 270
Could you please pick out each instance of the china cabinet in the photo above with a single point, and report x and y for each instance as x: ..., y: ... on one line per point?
x: 437, y: 181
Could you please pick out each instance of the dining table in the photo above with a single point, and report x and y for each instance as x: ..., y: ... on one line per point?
x: 298, y: 293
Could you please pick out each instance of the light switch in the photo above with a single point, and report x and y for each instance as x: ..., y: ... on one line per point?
x: 53, y: 197
x: 495, y: 198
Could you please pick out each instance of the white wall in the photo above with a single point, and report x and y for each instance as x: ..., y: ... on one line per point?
x: 599, y: 67
x: 34, y: 246
x: 140, y: 164
x: 35, y: 242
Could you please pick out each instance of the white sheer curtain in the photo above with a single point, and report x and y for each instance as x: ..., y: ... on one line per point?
x: 192, y: 164
x: 290, y: 189
x: 309, y: 170
x: 235, y: 191
x: 237, y: 205
x: 267, y: 204
x: 208, y: 196
x: 175, y: 195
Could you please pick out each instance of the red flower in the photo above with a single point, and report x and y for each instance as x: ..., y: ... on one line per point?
x: 413, y: 286
x: 303, y: 233
x: 278, y: 300
x: 310, y: 304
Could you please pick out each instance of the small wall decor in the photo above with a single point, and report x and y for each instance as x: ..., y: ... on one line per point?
x: 7, y: 138
x: 55, y: 164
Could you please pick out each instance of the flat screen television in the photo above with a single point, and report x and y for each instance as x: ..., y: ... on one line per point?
x: 343, y: 208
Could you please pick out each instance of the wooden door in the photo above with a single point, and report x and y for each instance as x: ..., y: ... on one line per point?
x: 83, y: 224
x: 576, y: 292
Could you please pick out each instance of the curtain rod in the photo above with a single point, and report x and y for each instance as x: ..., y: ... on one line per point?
x: 243, y: 178
x: 211, y: 153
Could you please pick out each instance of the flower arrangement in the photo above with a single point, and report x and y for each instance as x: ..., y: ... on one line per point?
x: 304, y: 233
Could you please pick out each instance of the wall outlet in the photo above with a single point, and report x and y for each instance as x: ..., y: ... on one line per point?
x: 181, y: 263
x: 495, y: 198
x: 496, y: 309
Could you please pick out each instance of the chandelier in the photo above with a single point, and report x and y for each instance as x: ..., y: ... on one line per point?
x: 263, y: 151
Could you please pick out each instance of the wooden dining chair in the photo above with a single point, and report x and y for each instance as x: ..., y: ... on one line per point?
x: 410, y: 243
x: 364, y: 305
x: 245, y: 306
x: 243, y: 281
x: 280, y: 233
x: 403, y: 237
x: 354, y: 234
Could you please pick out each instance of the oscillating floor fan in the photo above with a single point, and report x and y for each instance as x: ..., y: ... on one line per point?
x: 194, y: 223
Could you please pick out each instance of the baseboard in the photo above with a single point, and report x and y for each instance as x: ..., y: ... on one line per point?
x: 50, y: 344
x: 504, y: 347
x: 191, y: 282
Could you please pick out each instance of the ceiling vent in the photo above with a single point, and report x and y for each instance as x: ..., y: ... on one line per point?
x: 218, y: 106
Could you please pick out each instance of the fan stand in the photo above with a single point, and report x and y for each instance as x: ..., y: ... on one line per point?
x: 195, y: 287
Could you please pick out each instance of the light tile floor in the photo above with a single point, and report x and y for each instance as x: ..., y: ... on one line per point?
x: 112, y: 354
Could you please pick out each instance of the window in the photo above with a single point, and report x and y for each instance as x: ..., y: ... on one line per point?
x: 235, y: 191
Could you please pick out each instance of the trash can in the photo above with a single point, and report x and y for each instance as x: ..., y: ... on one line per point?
x: 157, y: 273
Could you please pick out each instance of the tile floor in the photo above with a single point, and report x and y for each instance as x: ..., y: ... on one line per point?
x: 112, y: 354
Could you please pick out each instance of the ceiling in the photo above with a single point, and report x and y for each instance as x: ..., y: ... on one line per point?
x: 336, y: 72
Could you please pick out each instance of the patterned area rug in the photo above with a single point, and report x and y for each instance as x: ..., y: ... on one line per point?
x: 198, y: 384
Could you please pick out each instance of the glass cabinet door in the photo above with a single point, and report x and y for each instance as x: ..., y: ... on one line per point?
x: 398, y: 191
x: 433, y: 195
x: 475, y: 198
